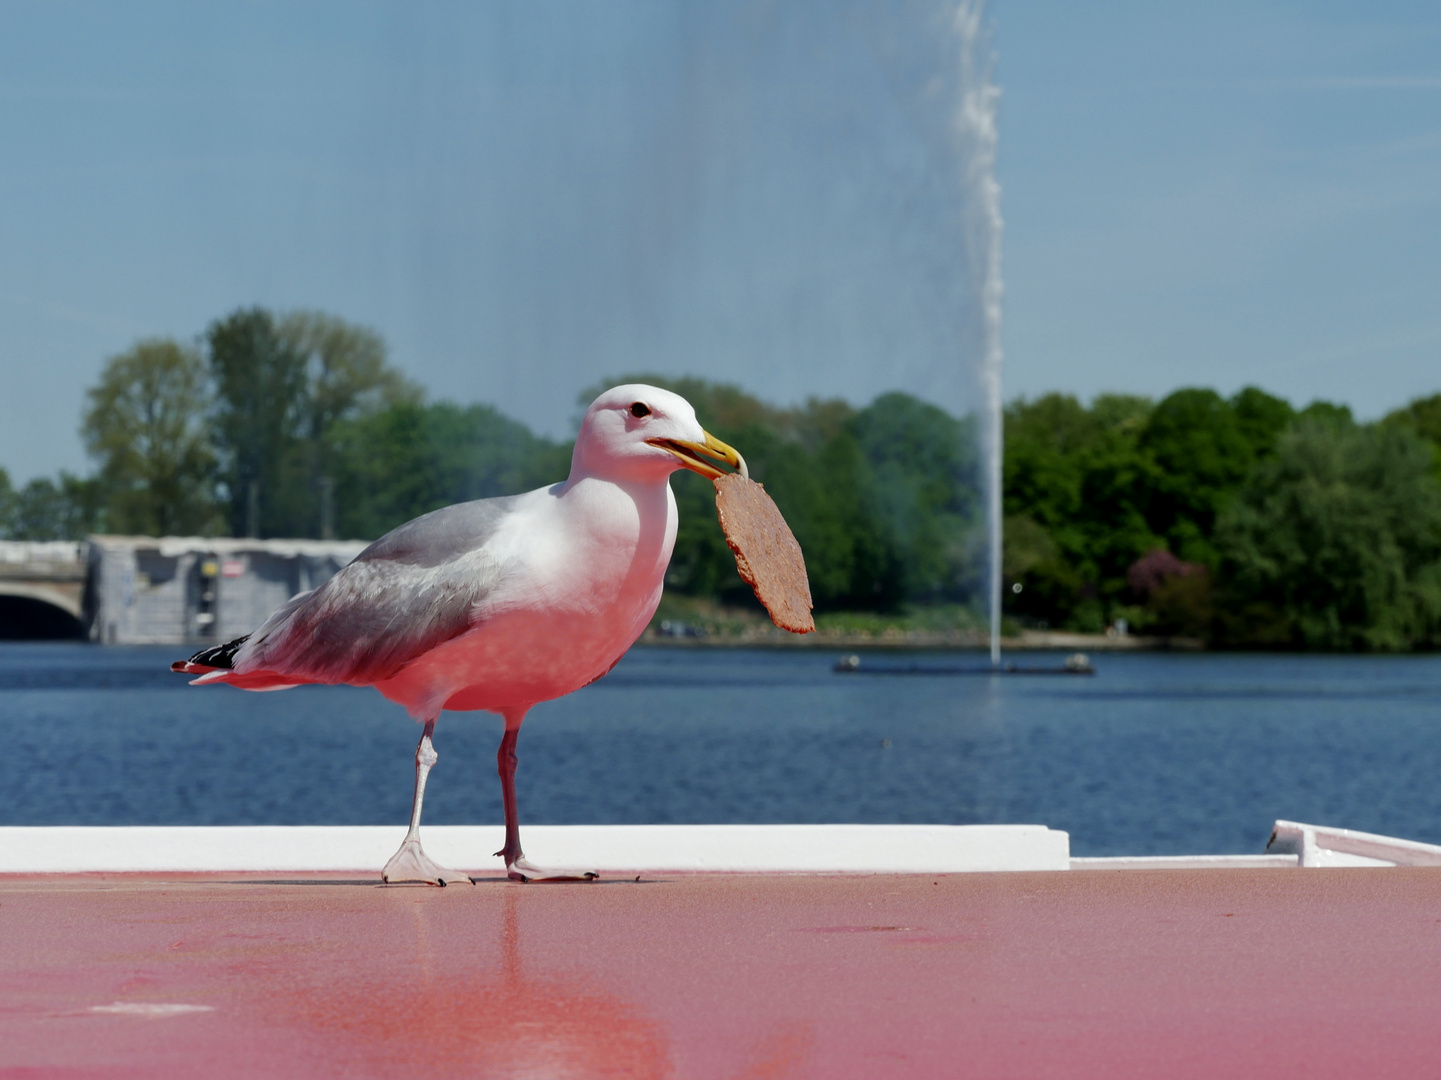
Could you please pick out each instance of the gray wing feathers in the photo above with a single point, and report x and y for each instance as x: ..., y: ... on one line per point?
x: 283, y: 612
x: 413, y: 589
x: 442, y: 535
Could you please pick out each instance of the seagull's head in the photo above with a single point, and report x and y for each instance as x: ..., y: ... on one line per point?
x: 643, y: 433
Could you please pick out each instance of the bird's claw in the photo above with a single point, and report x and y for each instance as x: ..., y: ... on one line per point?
x: 412, y: 865
x: 522, y: 869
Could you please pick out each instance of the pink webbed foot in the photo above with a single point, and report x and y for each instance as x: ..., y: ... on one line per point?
x: 412, y: 864
x: 522, y: 869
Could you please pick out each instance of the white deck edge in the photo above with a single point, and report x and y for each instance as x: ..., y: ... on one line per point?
x: 628, y: 849
x: 619, y: 849
x: 1185, y: 862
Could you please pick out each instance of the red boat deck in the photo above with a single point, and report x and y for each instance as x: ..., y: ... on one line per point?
x: 1176, y: 973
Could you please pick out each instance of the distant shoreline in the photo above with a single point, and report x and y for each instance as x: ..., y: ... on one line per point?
x: 960, y: 641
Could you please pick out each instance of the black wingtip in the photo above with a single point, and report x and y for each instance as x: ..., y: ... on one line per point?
x: 217, y: 656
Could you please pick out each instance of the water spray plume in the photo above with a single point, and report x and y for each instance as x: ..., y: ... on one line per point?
x: 976, y: 133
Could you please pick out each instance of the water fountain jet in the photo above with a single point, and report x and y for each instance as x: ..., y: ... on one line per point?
x: 977, y: 135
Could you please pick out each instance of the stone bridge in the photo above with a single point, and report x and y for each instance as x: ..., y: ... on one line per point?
x: 42, y: 589
x: 137, y: 590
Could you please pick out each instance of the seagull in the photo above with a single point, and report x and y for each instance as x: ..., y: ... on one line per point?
x: 496, y: 604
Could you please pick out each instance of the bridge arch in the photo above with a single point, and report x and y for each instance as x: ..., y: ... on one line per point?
x: 35, y: 613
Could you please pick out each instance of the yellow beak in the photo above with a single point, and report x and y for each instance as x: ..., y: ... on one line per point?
x: 692, y: 455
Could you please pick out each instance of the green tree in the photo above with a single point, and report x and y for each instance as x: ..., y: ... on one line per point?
x: 1335, y: 542
x: 1423, y: 416
x: 284, y: 387
x: 145, y: 425
x: 408, y: 459
x: 46, y: 510
x: 1261, y: 417
x: 261, y: 413
x: 1076, y: 488
x: 1090, y: 490
x: 347, y: 377
x: 1201, y: 455
x: 1330, y: 412
x: 923, y: 491
x: 347, y: 370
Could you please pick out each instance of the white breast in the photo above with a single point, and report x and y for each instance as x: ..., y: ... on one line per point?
x: 582, y: 573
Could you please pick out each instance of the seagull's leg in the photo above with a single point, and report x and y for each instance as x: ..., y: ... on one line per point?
x: 411, y: 863
x: 517, y: 866
x: 505, y: 762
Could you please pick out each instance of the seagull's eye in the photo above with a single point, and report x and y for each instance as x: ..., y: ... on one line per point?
x: 639, y: 409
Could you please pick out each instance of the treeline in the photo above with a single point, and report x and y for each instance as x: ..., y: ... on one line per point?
x: 240, y: 434
x: 297, y: 426
x: 272, y: 426
x: 1240, y: 521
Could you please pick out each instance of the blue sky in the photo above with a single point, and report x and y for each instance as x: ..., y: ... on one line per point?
x: 1223, y: 194
x: 526, y: 198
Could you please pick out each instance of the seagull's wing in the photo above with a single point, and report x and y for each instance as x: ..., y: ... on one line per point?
x: 413, y: 589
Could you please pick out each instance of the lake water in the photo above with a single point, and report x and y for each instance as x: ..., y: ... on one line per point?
x: 1156, y: 754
